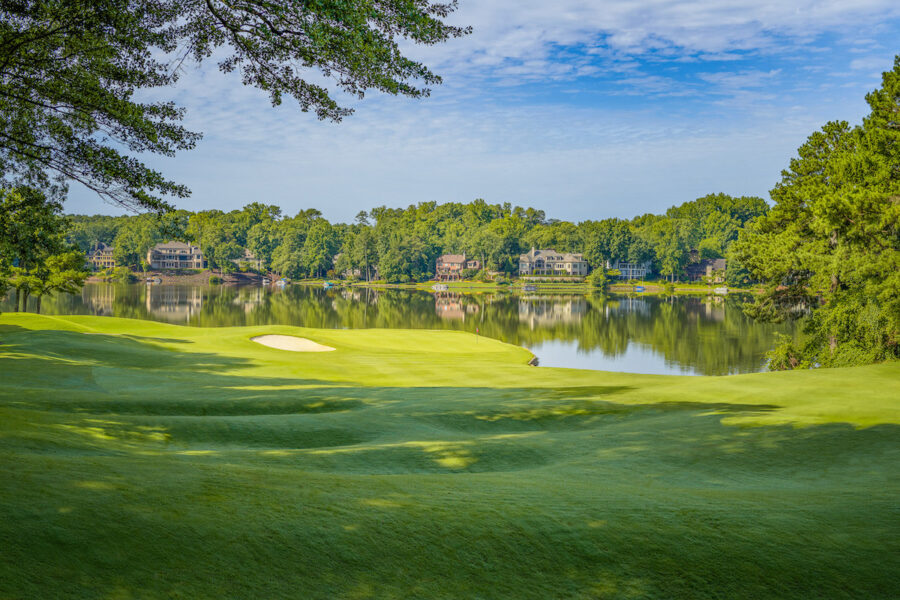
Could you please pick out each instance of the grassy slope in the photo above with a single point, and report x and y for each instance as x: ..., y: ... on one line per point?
x: 147, y: 460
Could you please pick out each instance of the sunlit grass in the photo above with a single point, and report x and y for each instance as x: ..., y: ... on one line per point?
x: 144, y: 460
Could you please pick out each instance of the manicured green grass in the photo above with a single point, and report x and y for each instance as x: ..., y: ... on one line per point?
x: 145, y: 460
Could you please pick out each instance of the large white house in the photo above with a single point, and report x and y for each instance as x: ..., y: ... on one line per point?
x: 175, y: 255
x: 551, y: 262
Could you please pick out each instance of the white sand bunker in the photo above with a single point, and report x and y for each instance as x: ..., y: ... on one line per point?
x: 291, y: 343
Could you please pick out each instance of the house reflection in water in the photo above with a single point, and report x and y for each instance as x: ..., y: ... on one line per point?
x: 351, y: 295
x: 249, y: 298
x: 541, y: 311
x: 454, y: 307
x: 627, y: 305
x: 714, y: 309
x: 99, y: 300
x: 174, y: 303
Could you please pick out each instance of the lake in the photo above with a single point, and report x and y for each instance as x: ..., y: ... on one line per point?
x: 683, y: 335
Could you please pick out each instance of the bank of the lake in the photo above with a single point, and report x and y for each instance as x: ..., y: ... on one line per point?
x: 143, y: 459
x: 686, y: 334
x: 545, y: 285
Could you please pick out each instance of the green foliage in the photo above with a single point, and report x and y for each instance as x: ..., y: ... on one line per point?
x: 612, y: 240
x: 31, y: 226
x: 736, y: 274
x: 717, y: 219
x: 831, y: 244
x: 37, y: 259
x: 86, y: 232
x: 710, y: 248
x: 124, y: 275
x: 402, y: 245
x: 262, y: 240
x: 670, y: 240
x: 62, y: 272
x: 73, y: 68
x: 598, y: 279
x: 215, y: 279
x: 559, y: 235
x: 319, y: 247
x: 785, y: 356
x: 288, y: 259
x: 134, y: 238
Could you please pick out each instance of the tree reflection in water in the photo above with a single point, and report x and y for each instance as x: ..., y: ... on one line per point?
x: 703, y: 335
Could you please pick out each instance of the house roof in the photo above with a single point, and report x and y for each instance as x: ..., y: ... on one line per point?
x: 452, y: 258
x: 535, y: 254
x: 697, y: 268
x: 174, y: 246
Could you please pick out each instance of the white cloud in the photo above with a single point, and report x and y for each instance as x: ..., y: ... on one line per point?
x: 872, y: 64
x: 649, y: 137
x: 526, y: 32
x: 733, y: 82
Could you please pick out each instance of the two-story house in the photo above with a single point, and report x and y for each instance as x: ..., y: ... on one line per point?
x: 101, y: 257
x: 551, y: 262
x: 449, y: 267
x: 629, y: 270
x: 175, y: 255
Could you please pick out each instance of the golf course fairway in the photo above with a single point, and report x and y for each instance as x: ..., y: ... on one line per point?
x: 144, y: 460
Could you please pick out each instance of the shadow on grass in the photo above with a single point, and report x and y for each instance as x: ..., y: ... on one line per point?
x: 682, y: 526
x: 314, y: 489
x: 7, y: 329
x: 36, y: 347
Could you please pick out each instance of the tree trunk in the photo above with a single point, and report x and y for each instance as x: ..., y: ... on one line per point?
x: 17, y: 300
x: 835, y: 281
x: 37, y: 308
x: 25, y: 301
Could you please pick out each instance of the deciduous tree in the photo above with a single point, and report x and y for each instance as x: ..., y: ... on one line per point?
x: 31, y: 229
x: 70, y: 71
x: 63, y: 272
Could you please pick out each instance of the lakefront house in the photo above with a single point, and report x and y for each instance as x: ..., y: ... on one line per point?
x: 713, y: 268
x: 175, y: 255
x: 551, y: 262
x: 629, y: 270
x: 449, y: 267
x: 101, y: 257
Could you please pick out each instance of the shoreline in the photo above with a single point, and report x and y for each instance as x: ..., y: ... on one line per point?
x: 543, y: 287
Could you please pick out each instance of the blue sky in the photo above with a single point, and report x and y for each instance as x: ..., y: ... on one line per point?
x: 583, y: 109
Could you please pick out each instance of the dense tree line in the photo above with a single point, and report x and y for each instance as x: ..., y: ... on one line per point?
x: 402, y: 244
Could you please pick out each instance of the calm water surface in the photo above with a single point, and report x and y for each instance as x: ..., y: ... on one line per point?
x: 649, y: 334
